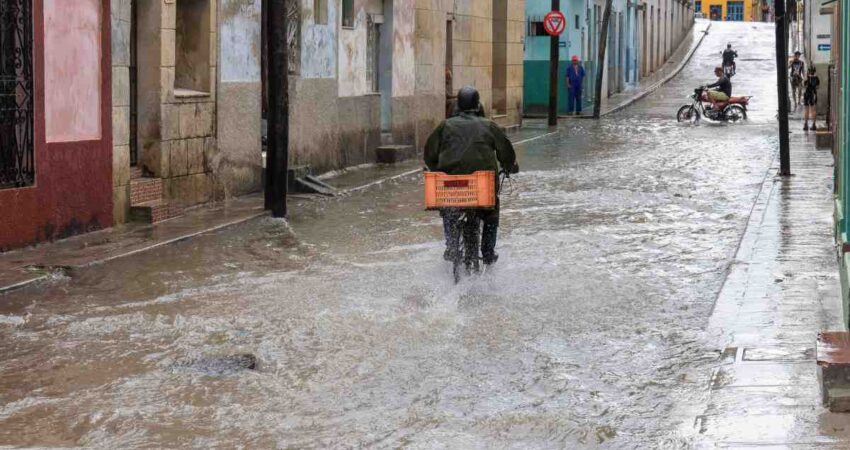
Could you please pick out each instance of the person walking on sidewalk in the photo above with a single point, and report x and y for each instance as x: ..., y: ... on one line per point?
x: 575, y: 78
x: 797, y: 74
x: 810, y: 99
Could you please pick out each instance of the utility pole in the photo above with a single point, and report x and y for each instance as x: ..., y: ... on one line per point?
x: 554, y: 56
x: 782, y: 86
x: 603, y: 45
x: 277, y: 158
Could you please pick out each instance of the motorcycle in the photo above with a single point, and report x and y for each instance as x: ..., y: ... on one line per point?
x: 729, y: 70
x: 735, y: 110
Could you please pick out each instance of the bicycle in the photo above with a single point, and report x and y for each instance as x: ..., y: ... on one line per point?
x: 464, y: 236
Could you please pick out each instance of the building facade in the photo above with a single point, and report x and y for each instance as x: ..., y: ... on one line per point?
x: 55, y: 120
x: 839, y: 115
x: 641, y: 37
x: 187, y: 104
x: 816, y: 43
x: 373, y: 72
x: 174, y: 116
x: 735, y: 10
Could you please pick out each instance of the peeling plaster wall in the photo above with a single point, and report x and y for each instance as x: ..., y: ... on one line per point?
x: 71, y: 76
x: 236, y: 162
x: 240, y: 29
x: 404, y: 61
x: 353, y: 79
x: 318, y: 42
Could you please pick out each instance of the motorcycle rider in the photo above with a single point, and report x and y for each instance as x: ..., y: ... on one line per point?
x: 729, y: 56
x: 466, y: 143
x: 723, y: 85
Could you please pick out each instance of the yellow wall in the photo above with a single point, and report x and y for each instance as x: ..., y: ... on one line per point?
x: 706, y: 8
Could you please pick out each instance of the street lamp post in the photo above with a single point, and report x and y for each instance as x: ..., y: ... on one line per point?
x: 782, y: 86
x: 277, y: 159
x: 603, y: 45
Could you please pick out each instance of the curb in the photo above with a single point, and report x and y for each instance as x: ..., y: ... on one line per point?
x: 97, y: 262
x: 663, y: 81
x: 22, y: 284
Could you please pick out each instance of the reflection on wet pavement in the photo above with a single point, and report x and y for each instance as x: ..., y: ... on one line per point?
x: 615, y: 241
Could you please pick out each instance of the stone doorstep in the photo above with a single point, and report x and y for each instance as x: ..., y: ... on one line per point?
x: 833, y: 359
x: 136, y: 172
x: 391, y: 154
x: 155, y: 211
x: 143, y: 190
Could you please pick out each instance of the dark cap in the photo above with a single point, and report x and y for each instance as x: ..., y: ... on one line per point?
x: 468, y: 99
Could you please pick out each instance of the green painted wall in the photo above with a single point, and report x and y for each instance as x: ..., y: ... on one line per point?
x: 536, y: 87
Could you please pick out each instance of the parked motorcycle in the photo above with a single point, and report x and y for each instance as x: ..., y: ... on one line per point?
x: 735, y: 110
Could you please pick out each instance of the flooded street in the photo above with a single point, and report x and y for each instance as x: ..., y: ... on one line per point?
x: 615, y: 241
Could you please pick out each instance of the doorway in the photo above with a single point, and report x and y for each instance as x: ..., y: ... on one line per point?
x: 716, y: 12
x: 384, y: 53
x: 134, y: 83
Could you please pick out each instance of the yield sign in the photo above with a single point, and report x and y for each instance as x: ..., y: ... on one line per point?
x: 554, y: 23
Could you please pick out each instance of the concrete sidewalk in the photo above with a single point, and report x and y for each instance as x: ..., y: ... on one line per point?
x: 781, y: 290
x: 23, y: 267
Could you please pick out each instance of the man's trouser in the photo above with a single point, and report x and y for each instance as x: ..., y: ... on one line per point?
x: 718, y: 96
x: 489, y: 218
x: 575, y: 100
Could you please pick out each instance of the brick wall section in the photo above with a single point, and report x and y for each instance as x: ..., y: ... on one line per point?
x: 121, y: 15
x: 145, y: 190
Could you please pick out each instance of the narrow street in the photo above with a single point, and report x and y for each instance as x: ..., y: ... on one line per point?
x: 616, y: 239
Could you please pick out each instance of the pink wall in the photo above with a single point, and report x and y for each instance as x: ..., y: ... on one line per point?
x: 72, y: 37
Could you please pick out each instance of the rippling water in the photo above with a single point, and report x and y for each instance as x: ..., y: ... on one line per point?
x: 614, y: 243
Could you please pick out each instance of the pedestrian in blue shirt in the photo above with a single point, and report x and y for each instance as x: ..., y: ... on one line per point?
x: 575, y: 78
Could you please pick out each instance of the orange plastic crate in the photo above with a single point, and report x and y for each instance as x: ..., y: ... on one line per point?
x: 477, y: 190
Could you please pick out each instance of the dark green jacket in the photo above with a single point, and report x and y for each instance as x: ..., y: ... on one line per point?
x: 466, y: 143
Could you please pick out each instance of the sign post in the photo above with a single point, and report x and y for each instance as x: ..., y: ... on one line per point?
x: 554, y: 23
x: 782, y: 87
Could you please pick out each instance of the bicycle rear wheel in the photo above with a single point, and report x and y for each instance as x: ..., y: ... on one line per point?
x: 471, y: 243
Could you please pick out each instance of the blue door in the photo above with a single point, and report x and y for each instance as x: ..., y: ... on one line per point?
x: 735, y: 11
x: 715, y: 12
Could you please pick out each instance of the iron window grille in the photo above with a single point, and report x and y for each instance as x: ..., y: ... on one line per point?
x: 17, y: 161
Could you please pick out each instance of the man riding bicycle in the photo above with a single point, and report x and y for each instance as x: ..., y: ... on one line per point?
x: 729, y: 56
x: 723, y: 85
x: 466, y: 143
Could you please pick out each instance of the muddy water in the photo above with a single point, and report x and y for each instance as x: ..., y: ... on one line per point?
x: 614, y: 244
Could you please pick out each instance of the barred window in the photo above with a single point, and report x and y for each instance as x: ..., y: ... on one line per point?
x: 348, y: 13
x: 17, y: 162
x: 534, y: 27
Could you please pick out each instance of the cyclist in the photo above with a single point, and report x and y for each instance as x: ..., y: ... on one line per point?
x: 466, y: 143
